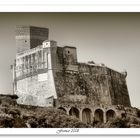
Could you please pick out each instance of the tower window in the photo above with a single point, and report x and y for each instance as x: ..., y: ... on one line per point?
x: 68, y: 51
x: 25, y: 40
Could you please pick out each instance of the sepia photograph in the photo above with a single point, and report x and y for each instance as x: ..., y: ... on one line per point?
x: 69, y: 70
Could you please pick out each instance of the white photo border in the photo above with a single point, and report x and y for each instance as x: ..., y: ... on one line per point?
x: 70, y: 6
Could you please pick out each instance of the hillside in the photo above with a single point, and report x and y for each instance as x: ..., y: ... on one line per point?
x: 13, y: 115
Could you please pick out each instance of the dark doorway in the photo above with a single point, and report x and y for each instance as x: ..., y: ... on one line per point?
x: 110, y: 114
x: 86, y: 115
x: 74, y: 112
x: 98, y: 115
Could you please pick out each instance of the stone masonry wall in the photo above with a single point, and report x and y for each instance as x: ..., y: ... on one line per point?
x: 34, y: 77
x: 35, y: 90
x: 92, y: 84
x: 118, y: 88
x: 87, y: 88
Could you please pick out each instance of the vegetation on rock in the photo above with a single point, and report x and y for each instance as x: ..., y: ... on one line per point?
x: 13, y: 115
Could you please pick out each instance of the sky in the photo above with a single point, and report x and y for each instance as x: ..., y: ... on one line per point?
x: 109, y: 38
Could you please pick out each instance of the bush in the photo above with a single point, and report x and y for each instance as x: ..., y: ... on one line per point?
x: 138, y: 113
x: 120, y: 123
x: 14, y: 112
x: 33, y: 123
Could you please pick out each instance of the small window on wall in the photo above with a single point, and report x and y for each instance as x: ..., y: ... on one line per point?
x: 68, y: 52
x: 25, y: 40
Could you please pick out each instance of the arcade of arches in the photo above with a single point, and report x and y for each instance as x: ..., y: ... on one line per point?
x: 88, y: 115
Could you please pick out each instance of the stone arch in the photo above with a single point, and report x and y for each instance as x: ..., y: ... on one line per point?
x: 63, y: 109
x: 74, y: 112
x: 110, y: 114
x: 86, y: 115
x: 99, y: 115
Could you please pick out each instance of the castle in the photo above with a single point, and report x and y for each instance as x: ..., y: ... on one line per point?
x: 45, y: 74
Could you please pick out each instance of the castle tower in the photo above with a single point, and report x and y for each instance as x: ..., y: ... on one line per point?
x: 28, y: 37
x: 70, y: 55
x: 33, y: 70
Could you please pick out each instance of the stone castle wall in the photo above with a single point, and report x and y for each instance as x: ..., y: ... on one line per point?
x: 88, y: 83
x: 34, y: 82
x: 118, y: 88
x: 99, y: 88
x: 73, y: 81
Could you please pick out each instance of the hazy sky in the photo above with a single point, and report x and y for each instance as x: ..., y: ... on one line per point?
x: 109, y: 38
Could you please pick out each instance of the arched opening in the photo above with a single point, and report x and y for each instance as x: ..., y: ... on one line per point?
x: 74, y: 112
x: 110, y: 114
x: 63, y: 109
x: 99, y: 115
x: 86, y: 115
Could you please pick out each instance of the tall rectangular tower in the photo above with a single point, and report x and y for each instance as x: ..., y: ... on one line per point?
x: 33, y: 74
x: 28, y: 37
